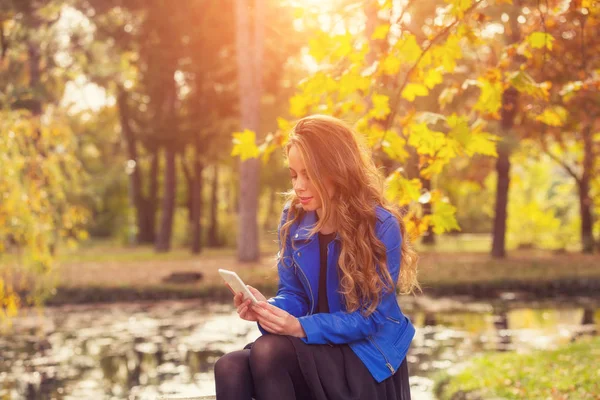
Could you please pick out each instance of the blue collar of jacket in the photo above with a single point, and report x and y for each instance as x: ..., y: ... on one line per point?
x: 308, y: 222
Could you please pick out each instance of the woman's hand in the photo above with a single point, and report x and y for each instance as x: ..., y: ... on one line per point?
x: 243, y: 306
x: 275, y: 320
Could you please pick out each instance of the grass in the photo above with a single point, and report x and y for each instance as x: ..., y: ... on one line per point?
x: 569, y: 372
x: 107, y: 264
x: 100, y: 265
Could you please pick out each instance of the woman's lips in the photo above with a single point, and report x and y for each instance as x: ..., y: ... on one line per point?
x: 305, y: 200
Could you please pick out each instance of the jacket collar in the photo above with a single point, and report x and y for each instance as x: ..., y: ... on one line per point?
x: 308, y: 221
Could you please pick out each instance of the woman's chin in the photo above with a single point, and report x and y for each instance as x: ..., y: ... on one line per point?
x: 309, y: 206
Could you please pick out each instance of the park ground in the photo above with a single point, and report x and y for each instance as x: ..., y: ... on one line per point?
x: 458, y: 265
x: 567, y: 373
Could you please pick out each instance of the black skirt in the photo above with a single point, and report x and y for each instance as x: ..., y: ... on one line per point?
x: 334, y: 372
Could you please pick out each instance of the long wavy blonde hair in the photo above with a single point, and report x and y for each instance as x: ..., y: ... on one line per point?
x: 332, y: 150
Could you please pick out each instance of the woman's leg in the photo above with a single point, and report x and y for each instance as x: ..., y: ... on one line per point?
x: 233, y: 379
x: 275, y: 370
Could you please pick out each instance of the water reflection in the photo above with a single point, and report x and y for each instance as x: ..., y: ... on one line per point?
x: 142, y: 351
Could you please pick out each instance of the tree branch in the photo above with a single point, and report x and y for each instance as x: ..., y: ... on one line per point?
x: 559, y: 161
x: 444, y: 32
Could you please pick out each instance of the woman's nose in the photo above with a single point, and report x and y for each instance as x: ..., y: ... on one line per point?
x: 299, y: 185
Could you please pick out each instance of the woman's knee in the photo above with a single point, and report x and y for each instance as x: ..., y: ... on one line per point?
x: 231, y: 364
x: 270, y: 353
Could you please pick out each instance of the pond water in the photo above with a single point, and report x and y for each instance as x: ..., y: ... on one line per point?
x: 149, y: 350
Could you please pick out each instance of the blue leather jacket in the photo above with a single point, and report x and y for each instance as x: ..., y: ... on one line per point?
x: 380, y: 340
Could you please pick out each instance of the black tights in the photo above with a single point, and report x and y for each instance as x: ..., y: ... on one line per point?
x: 269, y: 370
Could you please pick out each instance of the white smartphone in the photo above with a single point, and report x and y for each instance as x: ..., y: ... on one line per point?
x: 237, y: 285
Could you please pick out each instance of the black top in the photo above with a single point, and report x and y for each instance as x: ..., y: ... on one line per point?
x: 324, y: 240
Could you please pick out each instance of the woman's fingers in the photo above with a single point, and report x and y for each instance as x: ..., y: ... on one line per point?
x: 259, y: 296
x: 243, y: 304
x: 238, y: 299
x: 267, y: 315
x: 268, y: 325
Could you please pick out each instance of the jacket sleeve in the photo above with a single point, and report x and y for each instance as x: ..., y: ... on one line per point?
x: 346, y: 327
x: 290, y: 292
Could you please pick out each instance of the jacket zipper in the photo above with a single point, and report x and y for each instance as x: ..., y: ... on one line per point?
x: 312, y: 300
x: 387, y: 363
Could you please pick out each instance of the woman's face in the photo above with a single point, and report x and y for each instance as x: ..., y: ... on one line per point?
x: 302, y: 184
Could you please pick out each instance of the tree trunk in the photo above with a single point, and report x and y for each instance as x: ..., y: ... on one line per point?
x: 147, y: 234
x: 509, y: 109
x: 213, y: 240
x: 271, y: 213
x: 249, y: 60
x: 135, y: 177
x: 189, y: 179
x: 585, y: 201
x: 429, y: 238
x: 163, y: 240
x: 502, y: 185
x: 196, y: 197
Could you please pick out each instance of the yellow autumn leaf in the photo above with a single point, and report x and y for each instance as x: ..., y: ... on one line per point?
x: 381, y: 106
x: 459, y: 129
x: 342, y: 47
x: 244, y: 145
x: 490, y: 98
x: 443, y: 218
x: 409, y: 49
x: 539, y: 40
x: 553, y: 116
x: 402, y: 190
x: 284, y: 125
x: 352, y: 82
x: 381, y: 32
x: 432, y: 77
x: 390, y: 65
x: 317, y: 49
x: 298, y: 105
x: 395, y: 146
x: 424, y: 140
x: 483, y: 143
x: 447, y: 53
x: 415, y: 226
x: 412, y: 90
x: 524, y: 83
x: 459, y: 7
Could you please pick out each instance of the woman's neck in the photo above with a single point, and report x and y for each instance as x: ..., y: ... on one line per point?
x: 329, y: 227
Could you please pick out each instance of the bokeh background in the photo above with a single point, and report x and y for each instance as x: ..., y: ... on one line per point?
x: 140, y: 151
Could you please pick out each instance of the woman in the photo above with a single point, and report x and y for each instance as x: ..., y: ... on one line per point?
x: 334, y: 330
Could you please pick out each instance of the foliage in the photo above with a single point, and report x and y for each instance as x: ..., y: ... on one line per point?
x: 40, y: 184
x: 569, y: 372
